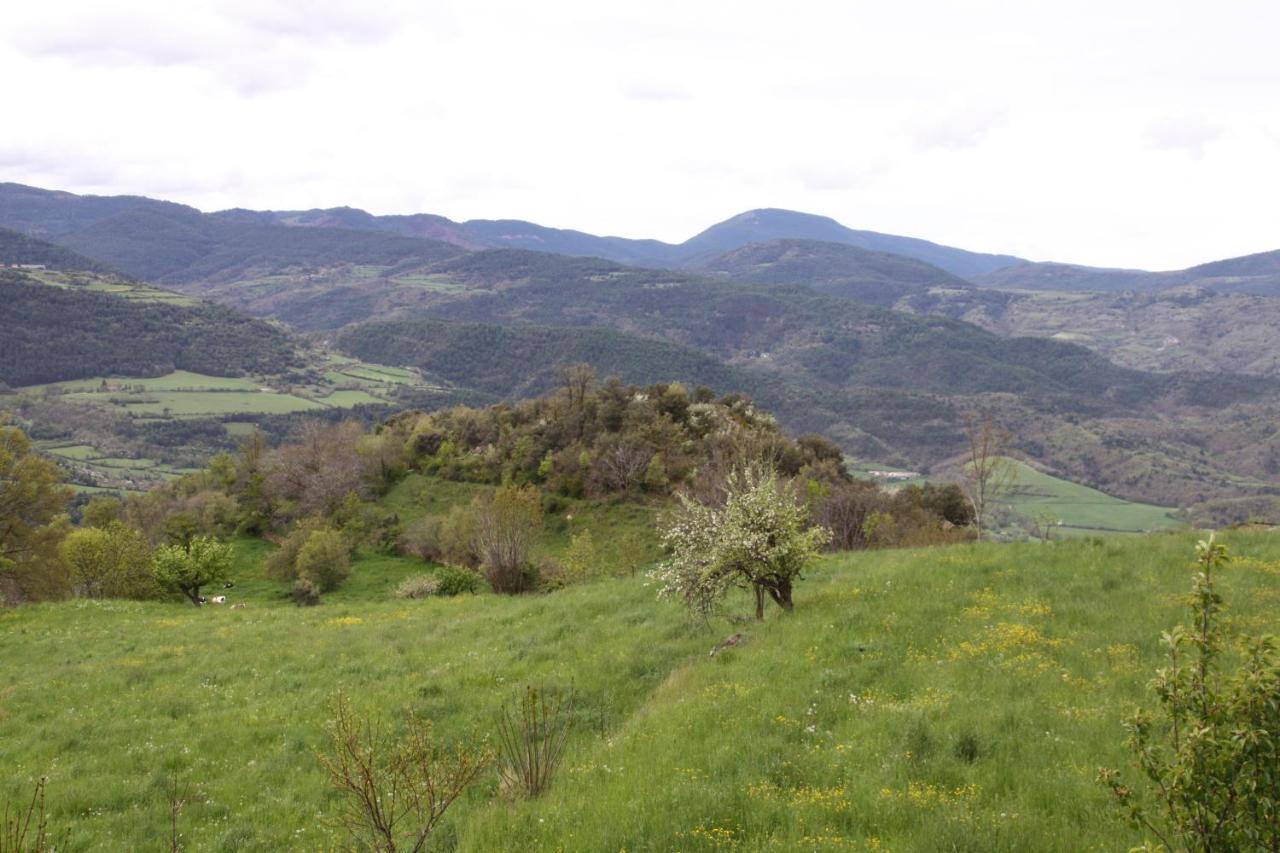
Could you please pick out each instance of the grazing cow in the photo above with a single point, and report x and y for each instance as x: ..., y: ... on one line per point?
x: 219, y: 599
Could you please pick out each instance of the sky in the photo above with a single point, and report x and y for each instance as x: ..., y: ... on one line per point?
x: 1129, y: 133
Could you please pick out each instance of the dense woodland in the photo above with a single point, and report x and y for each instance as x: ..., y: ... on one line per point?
x: 49, y: 334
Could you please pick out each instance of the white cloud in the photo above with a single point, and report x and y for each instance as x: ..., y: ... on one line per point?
x: 1049, y: 131
x: 1188, y: 135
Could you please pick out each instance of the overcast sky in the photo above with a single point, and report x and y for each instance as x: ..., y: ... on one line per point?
x: 1125, y: 133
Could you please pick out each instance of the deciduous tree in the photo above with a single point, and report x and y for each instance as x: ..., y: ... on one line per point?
x: 758, y: 538
x: 32, y: 502
x: 188, y: 570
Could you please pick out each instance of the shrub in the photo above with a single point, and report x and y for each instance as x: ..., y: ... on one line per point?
x: 325, y: 559
x: 314, y: 551
x: 506, y: 526
x: 532, y: 732
x: 421, y: 539
x: 113, y: 561
x: 452, y: 580
x: 395, y: 788
x: 418, y: 586
x: 1210, y: 753
x: 305, y: 593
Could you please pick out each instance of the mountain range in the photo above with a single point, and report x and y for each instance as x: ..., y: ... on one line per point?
x: 880, y: 342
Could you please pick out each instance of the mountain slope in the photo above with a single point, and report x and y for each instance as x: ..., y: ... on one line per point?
x: 835, y: 269
x: 1253, y: 274
x: 757, y: 226
x: 49, y: 334
x: 18, y: 249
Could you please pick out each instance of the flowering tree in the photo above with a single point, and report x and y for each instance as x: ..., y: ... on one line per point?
x: 759, y: 538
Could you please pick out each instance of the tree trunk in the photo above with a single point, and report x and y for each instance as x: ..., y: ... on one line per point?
x: 194, y: 595
x: 759, y: 590
x: 780, y: 591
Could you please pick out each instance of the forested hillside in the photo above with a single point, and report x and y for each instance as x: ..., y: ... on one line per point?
x: 48, y: 334
x: 18, y: 249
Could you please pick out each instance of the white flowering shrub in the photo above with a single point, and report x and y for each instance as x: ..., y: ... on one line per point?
x: 759, y: 539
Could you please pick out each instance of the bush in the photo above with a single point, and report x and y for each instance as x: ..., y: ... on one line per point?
x: 506, y: 527
x: 325, y: 559
x: 418, y: 586
x: 532, y: 732
x: 1208, y: 753
x: 452, y: 580
x: 314, y: 551
x: 305, y: 593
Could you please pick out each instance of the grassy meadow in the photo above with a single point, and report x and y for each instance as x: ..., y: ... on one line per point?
x: 937, y: 699
x: 1079, y: 510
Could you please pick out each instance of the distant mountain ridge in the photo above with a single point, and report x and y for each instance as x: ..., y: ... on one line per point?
x: 59, y: 216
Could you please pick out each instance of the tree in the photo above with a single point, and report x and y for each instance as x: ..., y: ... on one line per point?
x: 758, y: 539
x: 32, y: 502
x: 987, y: 471
x: 317, y: 472
x: 506, y: 527
x: 187, y: 570
x: 109, y: 562
x: 1210, y: 753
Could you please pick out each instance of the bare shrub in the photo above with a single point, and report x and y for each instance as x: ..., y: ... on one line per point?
x: 25, y: 829
x: 532, y: 732
x: 395, y: 790
x: 505, y: 529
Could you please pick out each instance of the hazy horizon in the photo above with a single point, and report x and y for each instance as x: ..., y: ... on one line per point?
x: 1121, y: 137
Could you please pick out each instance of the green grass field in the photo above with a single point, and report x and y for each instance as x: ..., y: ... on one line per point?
x: 179, y: 380
x: 197, y: 403
x: 1080, y: 510
x: 942, y: 699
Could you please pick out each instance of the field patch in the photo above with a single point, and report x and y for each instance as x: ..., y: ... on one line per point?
x: 1076, y: 510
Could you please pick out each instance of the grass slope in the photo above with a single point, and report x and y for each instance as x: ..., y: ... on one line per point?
x: 1080, y: 510
x: 956, y: 699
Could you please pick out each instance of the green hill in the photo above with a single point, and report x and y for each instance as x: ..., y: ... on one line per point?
x: 50, y: 333
x: 955, y: 699
x: 876, y: 278
x: 17, y: 249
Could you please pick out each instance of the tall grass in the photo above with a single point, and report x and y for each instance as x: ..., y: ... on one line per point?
x: 939, y: 699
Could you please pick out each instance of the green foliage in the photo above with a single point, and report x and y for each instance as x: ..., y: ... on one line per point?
x: 49, y: 334
x: 582, y: 559
x: 314, y: 552
x: 32, y: 503
x: 757, y: 536
x: 187, y: 570
x: 325, y: 558
x: 453, y: 580
x: 18, y: 248
x: 1210, y: 752
x: 109, y: 562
